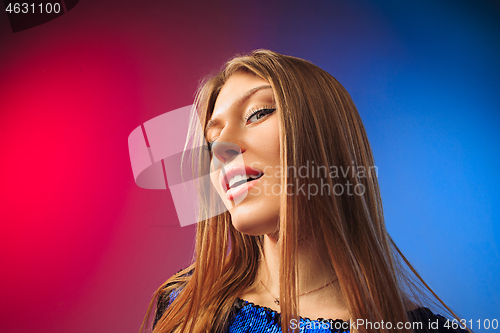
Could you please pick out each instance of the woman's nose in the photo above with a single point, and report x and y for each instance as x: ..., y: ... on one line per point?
x: 225, y: 152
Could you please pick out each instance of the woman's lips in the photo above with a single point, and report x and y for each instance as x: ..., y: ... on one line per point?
x: 239, y: 190
x: 227, y: 173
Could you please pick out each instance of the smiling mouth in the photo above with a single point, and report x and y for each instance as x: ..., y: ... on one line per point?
x: 237, y: 175
x: 238, y: 180
x: 238, y: 186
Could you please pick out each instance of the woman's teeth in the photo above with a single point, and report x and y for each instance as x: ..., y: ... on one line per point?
x: 240, y: 179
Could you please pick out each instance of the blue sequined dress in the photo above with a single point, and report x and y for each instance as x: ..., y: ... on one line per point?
x: 249, y: 317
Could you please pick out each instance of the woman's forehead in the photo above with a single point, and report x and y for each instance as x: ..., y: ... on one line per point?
x: 240, y: 87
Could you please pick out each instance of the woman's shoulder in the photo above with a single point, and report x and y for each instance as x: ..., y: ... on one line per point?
x: 170, y: 291
x: 424, y: 320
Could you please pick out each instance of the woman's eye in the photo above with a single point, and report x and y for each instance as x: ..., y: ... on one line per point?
x: 210, y: 144
x: 259, y: 114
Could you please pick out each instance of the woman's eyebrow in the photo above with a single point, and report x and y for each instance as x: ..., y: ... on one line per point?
x: 214, y: 121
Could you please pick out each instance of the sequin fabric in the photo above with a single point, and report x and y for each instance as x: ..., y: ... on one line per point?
x: 249, y: 318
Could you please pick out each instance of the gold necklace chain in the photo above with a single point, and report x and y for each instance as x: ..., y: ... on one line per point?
x: 277, y: 300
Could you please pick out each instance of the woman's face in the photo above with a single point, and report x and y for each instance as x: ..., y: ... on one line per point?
x: 244, y: 134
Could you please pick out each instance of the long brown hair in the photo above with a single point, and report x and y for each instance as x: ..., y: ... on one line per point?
x: 319, y: 125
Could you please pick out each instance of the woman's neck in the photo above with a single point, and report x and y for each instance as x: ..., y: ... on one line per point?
x: 313, y: 273
x: 318, y: 298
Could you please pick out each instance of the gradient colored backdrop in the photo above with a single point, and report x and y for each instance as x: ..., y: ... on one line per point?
x: 82, y: 248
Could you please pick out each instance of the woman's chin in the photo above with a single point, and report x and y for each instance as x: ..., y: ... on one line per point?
x: 255, y: 226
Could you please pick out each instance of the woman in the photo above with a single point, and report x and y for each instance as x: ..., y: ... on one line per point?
x: 304, y: 234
